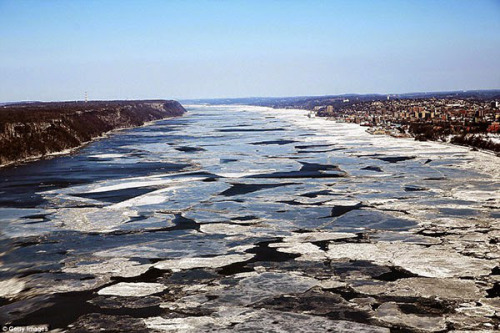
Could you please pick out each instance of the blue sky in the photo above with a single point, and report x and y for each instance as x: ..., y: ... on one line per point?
x: 57, y: 50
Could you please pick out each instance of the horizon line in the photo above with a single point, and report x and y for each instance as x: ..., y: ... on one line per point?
x: 264, y: 97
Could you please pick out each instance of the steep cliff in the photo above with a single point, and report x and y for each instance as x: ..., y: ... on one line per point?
x: 33, y: 130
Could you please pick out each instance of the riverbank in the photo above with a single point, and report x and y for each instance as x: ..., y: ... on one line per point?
x: 30, y: 131
x: 485, y: 141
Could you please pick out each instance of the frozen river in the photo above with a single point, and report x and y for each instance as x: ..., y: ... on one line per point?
x: 251, y: 219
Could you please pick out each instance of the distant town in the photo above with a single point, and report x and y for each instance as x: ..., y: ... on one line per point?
x: 462, y: 121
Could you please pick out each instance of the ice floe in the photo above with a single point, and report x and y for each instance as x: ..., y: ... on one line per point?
x: 209, y: 262
x: 435, y: 261
x: 11, y: 287
x: 136, y: 289
x: 120, y: 267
